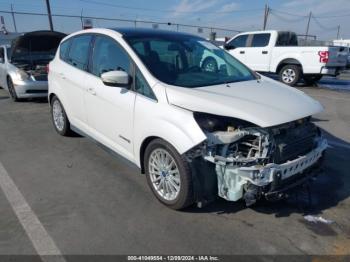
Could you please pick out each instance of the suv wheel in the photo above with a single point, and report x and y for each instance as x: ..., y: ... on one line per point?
x: 59, y: 118
x: 168, y: 175
x: 290, y: 74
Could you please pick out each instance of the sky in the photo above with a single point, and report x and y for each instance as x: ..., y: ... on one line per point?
x: 241, y: 15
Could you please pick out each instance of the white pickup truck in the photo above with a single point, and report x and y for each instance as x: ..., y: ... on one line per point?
x: 278, y: 52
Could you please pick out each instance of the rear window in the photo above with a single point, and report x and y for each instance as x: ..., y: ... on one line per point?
x: 287, y: 39
x: 260, y: 40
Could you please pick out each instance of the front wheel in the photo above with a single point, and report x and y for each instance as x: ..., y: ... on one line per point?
x: 12, y: 90
x: 290, y: 74
x: 210, y: 65
x: 59, y: 118
x: 168, y: 175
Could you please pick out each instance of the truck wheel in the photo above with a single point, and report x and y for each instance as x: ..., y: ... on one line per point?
x: 12, y: 90
x: 168, y: 175
x: 210, y: 65
x: 311, y: 79
x: 59, y: 118
x: 290, y: 74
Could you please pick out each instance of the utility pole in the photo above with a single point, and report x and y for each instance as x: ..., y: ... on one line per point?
x: 49, y: 14
x: 308, y: 26
x: 13, y: 18
x: 338, y: 32
x: 266, y: 14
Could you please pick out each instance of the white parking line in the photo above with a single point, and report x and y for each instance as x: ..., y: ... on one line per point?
x: 41, y: 240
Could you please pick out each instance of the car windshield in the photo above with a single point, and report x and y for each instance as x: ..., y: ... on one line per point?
x: 188, y: 61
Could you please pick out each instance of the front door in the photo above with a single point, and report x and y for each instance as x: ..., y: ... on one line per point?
x: 110, y: 109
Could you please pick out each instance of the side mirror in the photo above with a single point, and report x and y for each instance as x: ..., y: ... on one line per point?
x: 116, y: 78
x: 229, y: 47
x: 2, y: 60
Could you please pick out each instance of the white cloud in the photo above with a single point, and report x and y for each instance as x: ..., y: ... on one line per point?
x: 192, y: 6
x: 229, y: 7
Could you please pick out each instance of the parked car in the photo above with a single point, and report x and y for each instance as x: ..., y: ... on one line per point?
x: 278, y: 52
x: 23, y: 65
x: 145, y: 95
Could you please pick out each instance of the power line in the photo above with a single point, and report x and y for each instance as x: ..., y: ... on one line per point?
x: 287, y: 19
x: 317, y: 16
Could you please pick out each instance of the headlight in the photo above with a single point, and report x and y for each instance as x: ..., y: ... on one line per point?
x: 211, y: 123
x: 22, y: 74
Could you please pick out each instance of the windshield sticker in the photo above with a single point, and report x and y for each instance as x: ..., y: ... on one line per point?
x: 208, y: 45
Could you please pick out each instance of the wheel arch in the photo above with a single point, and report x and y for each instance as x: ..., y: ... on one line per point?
x: 143, y: 147
x: 288, y: 61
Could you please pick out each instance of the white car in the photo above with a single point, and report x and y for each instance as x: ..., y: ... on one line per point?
x: 197, y: 134
x: 278, y: 52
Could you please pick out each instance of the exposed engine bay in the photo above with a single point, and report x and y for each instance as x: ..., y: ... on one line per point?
x: 31, y: 53
x: 34, y: 69
x: 250, y: 160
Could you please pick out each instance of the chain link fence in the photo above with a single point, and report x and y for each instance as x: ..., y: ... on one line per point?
x: 25, y: 21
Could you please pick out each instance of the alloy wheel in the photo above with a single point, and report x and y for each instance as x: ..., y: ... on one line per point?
x: 164, y: 174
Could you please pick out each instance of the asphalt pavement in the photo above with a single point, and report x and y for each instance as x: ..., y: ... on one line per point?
x: 90, y: 202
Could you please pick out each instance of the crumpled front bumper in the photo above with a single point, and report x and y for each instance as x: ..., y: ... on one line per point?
x: 233, y: 181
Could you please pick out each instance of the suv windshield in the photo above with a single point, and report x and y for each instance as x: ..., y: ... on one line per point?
x: 188, y: 61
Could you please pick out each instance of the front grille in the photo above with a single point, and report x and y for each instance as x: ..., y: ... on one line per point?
x: 40, y: 77
x: 294, y: 143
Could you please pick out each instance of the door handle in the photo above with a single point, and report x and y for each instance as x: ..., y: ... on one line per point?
x: 62, y: 75
x: 264, y: 52
x: 91, y: 90
x: 242, y: 52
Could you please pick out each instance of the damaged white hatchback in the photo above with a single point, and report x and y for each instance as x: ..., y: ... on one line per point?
x: 198, y: 122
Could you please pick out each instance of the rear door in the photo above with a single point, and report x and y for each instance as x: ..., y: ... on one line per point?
x: 72, y: 76
x: 258, y: 52
x: 110, y: 109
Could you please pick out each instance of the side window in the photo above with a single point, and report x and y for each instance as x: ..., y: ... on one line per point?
x: 142, y: 87
x: 2, y: 55
x: 239, y: 41
x: 287, y: 39
x: 260, y: 40
x: 63, y: 49
x: 79, y: 51
x: 140, y: 48
x: 109, y: 56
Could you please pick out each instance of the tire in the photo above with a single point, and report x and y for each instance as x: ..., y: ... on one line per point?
x: 311, y: 79
x: 290, y: 74
x: 59, y: 118
x: 210, y: 65
x: 12, y: 90
x: 179, y: 174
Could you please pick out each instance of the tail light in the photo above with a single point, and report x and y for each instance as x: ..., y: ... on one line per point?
x: 47, y: 68
x: 324, y: 56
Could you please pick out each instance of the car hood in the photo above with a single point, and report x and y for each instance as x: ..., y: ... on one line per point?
x: 36, y: 41
x: 264, y: 102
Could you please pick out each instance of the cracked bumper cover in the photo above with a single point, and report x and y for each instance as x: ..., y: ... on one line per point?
x: 232, y: 179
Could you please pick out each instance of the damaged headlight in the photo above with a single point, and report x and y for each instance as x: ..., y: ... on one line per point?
x: 211, y: 123
x: 232, y: 140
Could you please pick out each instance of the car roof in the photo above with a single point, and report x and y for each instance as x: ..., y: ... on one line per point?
x: 140, y: 32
